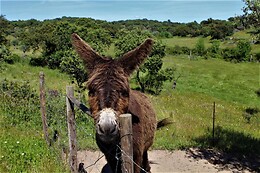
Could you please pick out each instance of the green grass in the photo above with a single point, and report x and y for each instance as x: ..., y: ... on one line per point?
x: 23, y: 148
x: 231, y: 86
x: 230, y: 42
x: 227, y: 81
x: 26, y: 151
x: 189, y: 42
x: 202, y: 82
x: 24, y: 72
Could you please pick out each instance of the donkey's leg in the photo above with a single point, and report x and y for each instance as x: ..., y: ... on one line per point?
x: 138, y: 159
x: 146, y: 164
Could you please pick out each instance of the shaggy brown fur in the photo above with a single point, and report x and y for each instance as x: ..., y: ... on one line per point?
x: 109, y: 88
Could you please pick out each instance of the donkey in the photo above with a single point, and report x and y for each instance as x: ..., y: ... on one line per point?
x: 110, y: 95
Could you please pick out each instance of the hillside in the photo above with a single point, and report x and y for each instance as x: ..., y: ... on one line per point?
x: 203, y: 74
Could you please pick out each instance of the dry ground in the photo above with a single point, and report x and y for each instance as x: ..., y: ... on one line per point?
x: 191, y: 160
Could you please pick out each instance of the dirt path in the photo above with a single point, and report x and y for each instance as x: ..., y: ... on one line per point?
x: 192, y: 160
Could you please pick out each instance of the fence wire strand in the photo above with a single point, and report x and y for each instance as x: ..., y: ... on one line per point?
x: 62, y: 141
x: 123, y: 152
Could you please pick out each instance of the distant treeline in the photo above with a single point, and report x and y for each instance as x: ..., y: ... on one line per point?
x: 217, y: 29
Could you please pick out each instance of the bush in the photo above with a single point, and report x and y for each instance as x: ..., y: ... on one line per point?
x: 178, y: 50
x: 54, y: 60
x: 229, y: 54
x: 243, y: 50
x: 165, y: 34
x: 257, y: 57
x: 214, y: 51
x: 38, y: 61
x: 4, y: 52
x: 19, y: 102
x: 238, y: 54
x: 200, y: 49
x: 11, y: 59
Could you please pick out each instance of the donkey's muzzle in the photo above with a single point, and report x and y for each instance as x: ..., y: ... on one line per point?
x: 107, y: 127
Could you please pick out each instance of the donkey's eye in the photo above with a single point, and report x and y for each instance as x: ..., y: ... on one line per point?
x: 124, y: 93
x: 91, y: 92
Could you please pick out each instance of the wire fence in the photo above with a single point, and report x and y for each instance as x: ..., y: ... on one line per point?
x: 25, y: 102
x: 85, y: 134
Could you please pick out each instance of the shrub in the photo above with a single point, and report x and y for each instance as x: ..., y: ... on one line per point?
x: 243, y: 50
x: 38, y: 61
x: 229, y: 54
x: 257, y: 57
x: 165, y: 34
x: 200, y: 49
x: 4, y: 52
x: 11, y: 59
x: 19, y: 102
x: 178, y: 50
x: 54, y: 60
x: 214, y: 51
x: 238, y: 54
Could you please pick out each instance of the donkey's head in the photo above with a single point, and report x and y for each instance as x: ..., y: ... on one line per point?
x: 108, y: 84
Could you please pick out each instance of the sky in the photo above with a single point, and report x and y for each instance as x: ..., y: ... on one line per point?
x: 174, y: 10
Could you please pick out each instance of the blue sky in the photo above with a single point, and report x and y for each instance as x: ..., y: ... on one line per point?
x: 175, y: 10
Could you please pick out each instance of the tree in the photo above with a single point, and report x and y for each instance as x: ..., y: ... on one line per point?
x: 200, y: 47
x: 3, y: 29
x: 217, y: 29
x: 150, y: 76
x: 4, y: 49
x: 72, y: 65
x: 98, y: 38
x: 252, y: 15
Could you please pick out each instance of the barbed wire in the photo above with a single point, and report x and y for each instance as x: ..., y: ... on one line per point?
x: 94, y: 164
x: 116, y: 156
x: 91, y: 125
x: 122, y: 151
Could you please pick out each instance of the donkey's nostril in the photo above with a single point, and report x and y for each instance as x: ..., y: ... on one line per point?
x: 107, y: 129
x: 113, y: 130
x: 100, y: 129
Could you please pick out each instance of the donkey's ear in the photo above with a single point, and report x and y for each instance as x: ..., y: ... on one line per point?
x: 86, y: 53
x: 133, y: 59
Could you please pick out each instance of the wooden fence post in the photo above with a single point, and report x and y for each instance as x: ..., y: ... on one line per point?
x: 43, y: 108
x: 125, y: 121
x: 213, y: 123
x: 71, y: 131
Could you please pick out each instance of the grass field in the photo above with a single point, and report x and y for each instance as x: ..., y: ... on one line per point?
x: 231, y: 86
x: 230, y: 42
x: 189, y: 42
x: 202, y: 82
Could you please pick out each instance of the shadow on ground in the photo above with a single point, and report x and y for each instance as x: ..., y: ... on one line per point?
x: 230, y: 150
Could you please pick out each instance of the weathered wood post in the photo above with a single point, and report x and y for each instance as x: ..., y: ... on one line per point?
x: 125, y: 121
x: 43, y: 108
x: 71, y: 130
x: 213, y: 123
